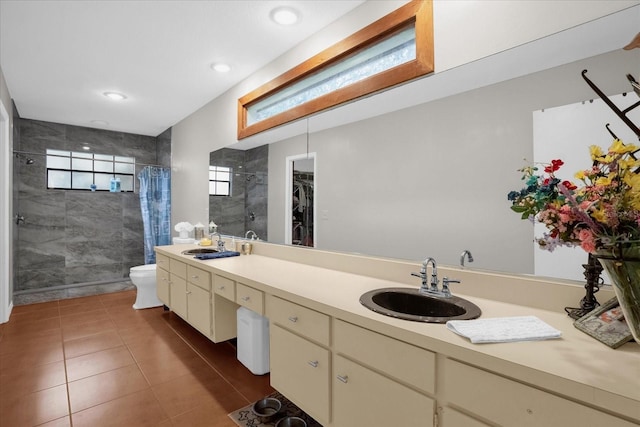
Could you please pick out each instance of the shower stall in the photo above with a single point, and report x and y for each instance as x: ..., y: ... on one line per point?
x: 69, y: 238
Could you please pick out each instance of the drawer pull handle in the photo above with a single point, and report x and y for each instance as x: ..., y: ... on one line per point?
x: 293, y: 319
x: 188, y: 292
x: 194, y: 277
x: 343, y: 378
x: 164, y: 279
x: 245, y: 299
x: 313, y: 363
x: 221, y: 288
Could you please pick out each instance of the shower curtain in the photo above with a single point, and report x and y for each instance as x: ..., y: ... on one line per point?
x: 155, y: 204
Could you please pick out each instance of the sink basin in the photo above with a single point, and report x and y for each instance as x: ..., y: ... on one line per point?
x: 410, y: 304
x: 199, y: 251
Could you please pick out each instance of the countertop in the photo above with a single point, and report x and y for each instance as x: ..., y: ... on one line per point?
x: 575, y: 365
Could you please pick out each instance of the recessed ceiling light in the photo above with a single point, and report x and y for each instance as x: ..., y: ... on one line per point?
x: 115, y: 96
x: 285, y: 15
x: 221, y: 68
x: 86, y: 147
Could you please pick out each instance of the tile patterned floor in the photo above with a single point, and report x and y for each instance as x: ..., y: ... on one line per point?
x: 95, y: 361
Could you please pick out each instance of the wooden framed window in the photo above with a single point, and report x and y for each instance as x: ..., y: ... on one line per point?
x: 395, y: 49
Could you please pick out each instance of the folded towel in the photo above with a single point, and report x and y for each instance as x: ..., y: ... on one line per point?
x: 503, y: 329
x: 224, y: 254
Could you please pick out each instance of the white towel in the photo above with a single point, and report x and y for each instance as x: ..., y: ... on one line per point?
x: 503, y: 329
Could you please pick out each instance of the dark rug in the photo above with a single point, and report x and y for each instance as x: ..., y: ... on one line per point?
x: 244, y: 417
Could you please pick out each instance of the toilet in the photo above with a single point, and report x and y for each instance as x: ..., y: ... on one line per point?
x: 144, y: 279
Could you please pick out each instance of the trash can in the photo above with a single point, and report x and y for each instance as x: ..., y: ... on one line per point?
x: 253, y: 341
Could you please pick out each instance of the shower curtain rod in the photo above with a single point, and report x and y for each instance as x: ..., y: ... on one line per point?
x: 82, y: 158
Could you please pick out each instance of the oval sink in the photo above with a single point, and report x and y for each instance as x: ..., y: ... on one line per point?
x: 199, y: 251
x: 410, y: 304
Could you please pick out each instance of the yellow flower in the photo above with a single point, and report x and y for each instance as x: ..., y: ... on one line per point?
x: 604, y: 180
x: 599, y: 215
x: 595, y: 152
x: 618, y: 147
x: 580, y: 175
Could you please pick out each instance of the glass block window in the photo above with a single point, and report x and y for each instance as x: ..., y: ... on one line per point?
x: 73, y: 170
x: 219, y: 181
x: 395, y: 49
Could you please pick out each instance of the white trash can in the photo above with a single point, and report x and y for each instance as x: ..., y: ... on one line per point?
x: 253, y: 341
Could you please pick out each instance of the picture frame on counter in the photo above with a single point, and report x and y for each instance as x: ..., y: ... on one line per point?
x: 606, y: 324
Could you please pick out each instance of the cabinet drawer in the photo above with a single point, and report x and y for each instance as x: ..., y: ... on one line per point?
x: 301, y: 371
x: 162, y: 261
x: 510, y: 403
x: 224, y: 287
x: 178, y: 268
x: 362, y: 397
x: 302, y: 320
x: 405, y: 362
x: 199, y: 277
x: 251, y: 298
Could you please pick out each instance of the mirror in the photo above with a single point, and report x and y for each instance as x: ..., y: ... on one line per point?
x: 432, y: 179
x: 243, y: 207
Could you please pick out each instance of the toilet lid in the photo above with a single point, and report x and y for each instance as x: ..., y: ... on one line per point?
x: 147, y: 267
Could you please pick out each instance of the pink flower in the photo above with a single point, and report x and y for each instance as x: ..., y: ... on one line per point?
x: 587, y: 240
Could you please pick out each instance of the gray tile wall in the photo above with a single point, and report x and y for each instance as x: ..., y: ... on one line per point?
x: 72, y: 236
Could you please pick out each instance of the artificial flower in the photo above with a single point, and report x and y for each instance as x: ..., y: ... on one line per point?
x: 602, y: 212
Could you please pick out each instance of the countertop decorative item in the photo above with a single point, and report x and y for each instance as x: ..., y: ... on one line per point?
x: 606, y: 324
x: 602, y: 216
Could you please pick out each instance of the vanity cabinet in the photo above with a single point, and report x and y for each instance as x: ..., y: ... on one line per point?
x: 380, y: 381
x: 509, y: 403
x: 299, y: 357
x: 190, y: 293
x: 162, y: 279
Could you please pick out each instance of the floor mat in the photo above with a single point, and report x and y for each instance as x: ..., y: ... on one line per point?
x: 244, y: 417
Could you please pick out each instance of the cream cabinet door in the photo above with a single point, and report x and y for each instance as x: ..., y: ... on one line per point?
x: 162, y: 286
x: 300, y: 370
x: 199, y: 309
x: 364, y: 398
x: 178, y: 291
x: 452, y: 418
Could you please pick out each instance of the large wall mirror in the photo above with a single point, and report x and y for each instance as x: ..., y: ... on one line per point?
x: 432, y: 179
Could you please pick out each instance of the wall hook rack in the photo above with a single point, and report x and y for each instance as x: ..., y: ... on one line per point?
x: 620, y: 113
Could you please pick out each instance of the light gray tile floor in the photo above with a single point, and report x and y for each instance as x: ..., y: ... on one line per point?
x: 80, y: 291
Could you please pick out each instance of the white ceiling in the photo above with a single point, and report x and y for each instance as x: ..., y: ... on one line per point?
x: 59, y: 57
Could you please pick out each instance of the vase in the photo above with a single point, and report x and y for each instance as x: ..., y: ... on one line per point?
x: 622, y: 263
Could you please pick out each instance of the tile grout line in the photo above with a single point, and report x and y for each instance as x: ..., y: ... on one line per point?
x: 66, y: 374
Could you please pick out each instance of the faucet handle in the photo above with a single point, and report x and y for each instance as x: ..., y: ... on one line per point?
x: 445, y: 285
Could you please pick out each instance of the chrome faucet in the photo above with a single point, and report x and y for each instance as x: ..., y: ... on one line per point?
x: 430, y: 287
x: 254, y: 237
x: 221, y: 247
x: 466, y: 253
x: 423, y: 275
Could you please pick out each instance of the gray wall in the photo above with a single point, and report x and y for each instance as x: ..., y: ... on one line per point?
x: 72, y: 236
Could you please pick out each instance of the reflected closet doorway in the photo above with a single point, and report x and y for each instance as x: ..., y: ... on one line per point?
x: 300, y: 200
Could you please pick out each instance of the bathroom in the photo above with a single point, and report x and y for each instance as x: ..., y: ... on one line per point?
x: 427, y: 178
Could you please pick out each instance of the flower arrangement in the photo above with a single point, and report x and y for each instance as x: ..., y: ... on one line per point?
x: 602, y: 212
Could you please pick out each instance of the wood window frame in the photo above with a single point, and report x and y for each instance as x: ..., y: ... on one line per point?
x: 418, y: 11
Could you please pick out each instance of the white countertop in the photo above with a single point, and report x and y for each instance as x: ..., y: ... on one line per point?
x: 575, y: 365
